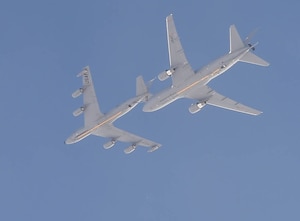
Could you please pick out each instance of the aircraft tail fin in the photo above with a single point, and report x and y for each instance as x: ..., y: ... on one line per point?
x: 142, y: 89
x: 237, y: 43
x: 235, y: 40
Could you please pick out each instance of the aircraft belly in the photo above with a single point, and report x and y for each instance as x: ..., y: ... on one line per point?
x: 167, y: 101
x: 196, y: 91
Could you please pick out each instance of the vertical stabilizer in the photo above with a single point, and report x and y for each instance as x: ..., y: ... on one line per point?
x: 235, y: 40
x: 141, y: 87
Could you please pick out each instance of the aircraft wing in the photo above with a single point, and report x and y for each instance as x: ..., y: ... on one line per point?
x: 90, y: 103
x: 177, y: 58
x: 112, y: 132
x: 211, y: 97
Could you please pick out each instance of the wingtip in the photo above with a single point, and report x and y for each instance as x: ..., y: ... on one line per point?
x: 232, y: 27
x: 85, y: 69
x: 257, y: 113
x: 170, y: 16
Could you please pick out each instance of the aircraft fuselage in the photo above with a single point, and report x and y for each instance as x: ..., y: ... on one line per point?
x: 201, y: 77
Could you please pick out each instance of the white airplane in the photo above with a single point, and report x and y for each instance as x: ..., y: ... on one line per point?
x: 187, y: 83
x: 99, y: 124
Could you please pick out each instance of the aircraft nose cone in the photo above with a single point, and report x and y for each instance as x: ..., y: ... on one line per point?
x: 67, y: 141
x: 70, y: 140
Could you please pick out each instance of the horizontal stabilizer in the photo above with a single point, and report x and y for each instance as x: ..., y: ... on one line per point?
x: 254, y: 59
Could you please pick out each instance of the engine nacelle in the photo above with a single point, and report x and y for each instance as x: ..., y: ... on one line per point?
x: 194, y: 108
x: 77, y: 93
x: 109, y: 144
x: 154, y: 148
x: 165, y: 74
x: 130, y: 149
x: 78, y: 111
x: 82, y: 73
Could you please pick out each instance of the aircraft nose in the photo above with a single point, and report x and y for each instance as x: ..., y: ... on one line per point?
x: 70, y: 140
x: 67, y: 141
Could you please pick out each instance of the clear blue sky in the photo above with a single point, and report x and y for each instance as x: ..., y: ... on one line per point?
x: 214, y: 165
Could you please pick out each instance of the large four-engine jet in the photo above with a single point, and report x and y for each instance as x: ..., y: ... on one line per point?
x: 99, y: 124
x: 186, y: 83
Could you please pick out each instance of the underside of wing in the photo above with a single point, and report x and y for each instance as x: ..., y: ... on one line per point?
x: 224, y: 102
x: 211, y: 97
x: 91, y: 107
x: 178, y: 61
x: 116, y: 134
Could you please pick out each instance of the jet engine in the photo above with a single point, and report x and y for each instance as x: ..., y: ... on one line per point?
x: 154, y: 148
x: 77, y: 93
x: 165, y: 74
x: 78, y: 111
x: 109, y: 144
x: 82, y: 72
x: 130, y: 149
x: 194, y: 108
